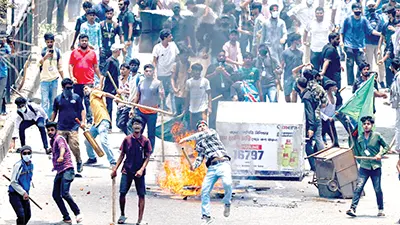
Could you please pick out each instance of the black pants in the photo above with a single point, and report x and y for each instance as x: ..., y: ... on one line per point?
x: 204, y: 34
x: 62, y: 184
x: 40, y: 123
x: 60, y: 12
x: 21, y: 207
x: 316, y: 60
x: 326, y: 129
x: 123, y: 120
x: 353, y: 56
x: 179, y: 105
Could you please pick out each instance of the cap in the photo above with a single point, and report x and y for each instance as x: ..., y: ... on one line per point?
x: 201, y: 122
x: 24, y: 148
x: 328, y: 84
x: 116, y: 46
x: 370, y: 2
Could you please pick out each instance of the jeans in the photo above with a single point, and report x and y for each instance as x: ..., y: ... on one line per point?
x: 371, y: 52
x: 78, y: 89
x: 179, y: 105
x: 166, y: 81
x: 271, y: 93
x: 129, y: 53
x: 110, y: 103
x: 316, y: 60
x: 60, y: 12
x: 74, y: 7
x: 319, y: 143
x: 220, y: 170
x: 62, y: 183
x: 310, y: 150
x: 328, y: 127
x: 353, y: 55
x: 151, y: 121
x: 21, y: 207
x: 196, y: 117
x: 397, y: 129
x: 3, y: 84
x: 72, y: 138
x: 363, y: 175
x: 49, y: 93
x: 123, y: 119
x: 25, y: 124
x: 389, y: 73
x: 102, y: 130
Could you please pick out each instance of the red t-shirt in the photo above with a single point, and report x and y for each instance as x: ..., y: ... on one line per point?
x: 83, y: 63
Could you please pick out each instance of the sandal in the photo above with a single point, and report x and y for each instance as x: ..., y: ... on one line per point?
x: 122, y: 219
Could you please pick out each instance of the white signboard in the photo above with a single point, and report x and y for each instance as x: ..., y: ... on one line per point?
x: 262, y: 139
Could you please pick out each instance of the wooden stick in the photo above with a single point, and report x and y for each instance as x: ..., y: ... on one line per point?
x: 113, y: 195
x: 162, y: 134
x: 368, y: 157
x: 321, y: 151
x: 147, y: 107
x: 113, y: 83
x: 216, y: 98
x: 29, y: 197
x: 341, y: 89
x: 187, y: 157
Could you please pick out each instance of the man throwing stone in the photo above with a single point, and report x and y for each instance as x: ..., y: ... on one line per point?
x: 209, y: 146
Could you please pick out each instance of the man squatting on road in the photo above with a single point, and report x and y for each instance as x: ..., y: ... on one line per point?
x: 209, y: 146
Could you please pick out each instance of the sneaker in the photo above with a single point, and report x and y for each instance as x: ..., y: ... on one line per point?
x: 206, y: 220
x: 227, y: 210
x: 79, y: 167
x: 90, y: 161
x: 64, y: 222
x: 79, y: 218
x: 142, y: 223
x: 380, y: 213
x: 351, y: 212
x: 48, y: 151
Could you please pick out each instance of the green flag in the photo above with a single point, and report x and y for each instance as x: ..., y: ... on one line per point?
x: 361, y: 103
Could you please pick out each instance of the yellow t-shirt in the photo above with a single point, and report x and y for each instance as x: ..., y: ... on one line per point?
x: 50, y: 69
x: 99, y: 107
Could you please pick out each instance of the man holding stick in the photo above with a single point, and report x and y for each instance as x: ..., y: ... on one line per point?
x: 101, y: 124
x: 137, y: 150
x: 62, y: 163
x: 20, y: 185
x: 210, y: 147
x: 368, y: 144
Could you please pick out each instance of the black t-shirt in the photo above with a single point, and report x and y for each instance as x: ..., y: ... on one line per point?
x: 112, y: 66
x: 108, y: 33
x: 218, y: 39
x: 330, y: 52
x: 219, y: 83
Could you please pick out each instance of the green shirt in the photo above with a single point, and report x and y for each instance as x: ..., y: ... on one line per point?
x: 124, y: 19
x: 370, y: 148
x: 251, y: 75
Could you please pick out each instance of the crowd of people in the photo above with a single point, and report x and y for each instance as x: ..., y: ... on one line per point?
x: 256, y: 50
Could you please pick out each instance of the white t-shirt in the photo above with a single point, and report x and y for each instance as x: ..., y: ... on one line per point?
x: 303, y: 13
x: 198, y: 89
x: 343, y: 10
x: 319, y: 34
x: 165, y: 58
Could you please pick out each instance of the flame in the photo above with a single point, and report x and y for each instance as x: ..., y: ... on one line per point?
x: 177, y: 177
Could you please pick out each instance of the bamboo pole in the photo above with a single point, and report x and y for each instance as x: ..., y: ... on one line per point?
x: 162, y: 134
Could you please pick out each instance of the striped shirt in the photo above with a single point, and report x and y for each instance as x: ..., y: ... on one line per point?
x: 59, y: 142
x: 208, y: 146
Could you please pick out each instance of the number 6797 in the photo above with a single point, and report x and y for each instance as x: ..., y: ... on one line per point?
x: 248, y: 154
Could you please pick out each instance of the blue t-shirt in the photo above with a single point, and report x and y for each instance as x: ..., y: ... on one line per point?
x: 5, y: 50
x: 355, y: 31
x: 376, y: 21
x: 68, y: 110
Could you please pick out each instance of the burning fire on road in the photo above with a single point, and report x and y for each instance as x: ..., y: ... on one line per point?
x: 177, y: 177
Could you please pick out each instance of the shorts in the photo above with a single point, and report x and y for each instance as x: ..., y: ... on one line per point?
x: 126, y: 182
x: 288, y: 85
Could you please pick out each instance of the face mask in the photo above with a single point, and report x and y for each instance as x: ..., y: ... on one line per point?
x: 275, y: 14
x: 263, y: 52
x: 372, y: 10
x: 134, y: 69
x: 22, y: 109
x: 27, y: 158
x: 358, y: 13
x: 67, y: 93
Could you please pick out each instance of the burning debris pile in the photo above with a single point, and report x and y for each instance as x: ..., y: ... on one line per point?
x: 177, y: 177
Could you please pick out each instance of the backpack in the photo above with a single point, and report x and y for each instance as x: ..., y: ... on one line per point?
x: 28, y: 107
x: 44, y: 51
